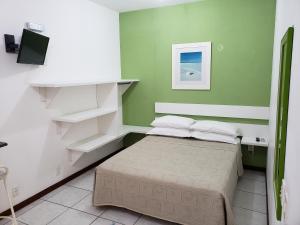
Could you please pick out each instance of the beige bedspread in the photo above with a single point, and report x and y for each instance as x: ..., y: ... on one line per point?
x: 180, y: 180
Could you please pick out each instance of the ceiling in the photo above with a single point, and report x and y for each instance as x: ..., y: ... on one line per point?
x: 131, y: 5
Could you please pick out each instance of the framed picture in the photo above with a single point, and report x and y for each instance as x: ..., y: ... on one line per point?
x: 191, y: 66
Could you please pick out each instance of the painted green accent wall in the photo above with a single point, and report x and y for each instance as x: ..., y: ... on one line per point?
x: 241, y: 72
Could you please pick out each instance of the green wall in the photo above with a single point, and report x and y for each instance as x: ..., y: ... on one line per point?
x: 240, y: 74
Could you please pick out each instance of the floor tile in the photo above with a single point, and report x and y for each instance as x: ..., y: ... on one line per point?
x: 85, y: 181
x: 250, y: 201
x: 69, y: 196
x: 21, y: 211
x: 86, y: 205
x: 253, y: 186
x: 121, y: 215
x: 147, y: 220
x: 42, y: 213
x: 247, y: 217
x: 4, y: 221
x: 255, y: 175
x: 101, y: 221
x: 52, y: 193
x: 19, y: 223
x: 28, y: 207
x: 73, y: 217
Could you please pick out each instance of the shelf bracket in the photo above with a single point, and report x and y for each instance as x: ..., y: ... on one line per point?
x: 123, y: 87
x: 74, y: 156
x: 62, y: 128
x: 47, y: 96
x: 43, y: 94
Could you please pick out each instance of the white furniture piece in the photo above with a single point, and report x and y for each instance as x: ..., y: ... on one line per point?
x: 251, y: 141
x: 107, y: 112
x: 228, y: 111
x: 3, y: 176
x: 222, y: 111
x: 97, y: 141
x: 75, y: 83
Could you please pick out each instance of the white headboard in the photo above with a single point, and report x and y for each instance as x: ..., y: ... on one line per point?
x: 225, y: 111
x: 229, y: 111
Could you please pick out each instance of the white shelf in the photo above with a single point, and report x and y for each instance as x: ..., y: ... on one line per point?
x: 85, y: 115
x: 252, y: 141
x: 58, y: 84
x: 99, y: 140
x: 127, y: 81
x: 92, y: 143
x: 135, y: 129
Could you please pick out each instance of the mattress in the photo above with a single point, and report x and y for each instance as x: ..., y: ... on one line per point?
x: 184, y: 181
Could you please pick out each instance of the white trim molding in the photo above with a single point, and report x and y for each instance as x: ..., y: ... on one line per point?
x: 225, y: 111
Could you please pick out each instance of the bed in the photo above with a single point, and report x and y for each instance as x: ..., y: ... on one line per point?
x: 181, y: 180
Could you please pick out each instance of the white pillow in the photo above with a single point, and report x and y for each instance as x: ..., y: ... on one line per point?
x: 170, y: 132
x: 173, y: 122
x: 214, y: 137
x: 215, y: 127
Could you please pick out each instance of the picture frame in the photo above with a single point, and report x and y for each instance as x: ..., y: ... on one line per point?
x: 191, y: 66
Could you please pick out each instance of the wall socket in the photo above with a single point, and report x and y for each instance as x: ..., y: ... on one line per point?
x: 15, y: 192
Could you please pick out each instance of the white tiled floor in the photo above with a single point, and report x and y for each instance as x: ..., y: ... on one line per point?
x: 71, y: 204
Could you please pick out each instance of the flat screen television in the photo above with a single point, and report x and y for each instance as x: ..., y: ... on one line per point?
x: 33, y: 48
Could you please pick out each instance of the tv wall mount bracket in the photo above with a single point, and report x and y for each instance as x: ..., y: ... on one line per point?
x: 10, y: 44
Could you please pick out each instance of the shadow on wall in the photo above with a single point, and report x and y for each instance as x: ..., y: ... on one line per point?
x: 27, y: 114
x: 51, y: 156
x: 9, y: 66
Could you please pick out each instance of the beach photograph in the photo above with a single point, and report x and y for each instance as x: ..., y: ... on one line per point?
x: 191, y: 66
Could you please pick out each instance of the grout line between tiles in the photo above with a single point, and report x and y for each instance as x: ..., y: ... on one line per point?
x: 237, y: 207
x: 252, y: 210
x: 250, y: 192
x: 71, y: 207
x: 25, y: 212
x: 253, y: 179
x: 58, y: 216
x: 102, y: 212
x: 42, y: 198
x: 17, y: 221
x: 111, y: 220
x: 93, y: 220
x: 138, y: 219
x: 79, y: 188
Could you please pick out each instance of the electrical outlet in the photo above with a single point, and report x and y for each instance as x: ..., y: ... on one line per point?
x: 15, y: 192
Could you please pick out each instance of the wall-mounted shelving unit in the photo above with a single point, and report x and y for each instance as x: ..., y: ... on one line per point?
x: 84, y: 115
x: 92, y: 143
x: 99, y: 140
x: 108, y: 113
x: 87, y: 145
x: 44, y: 85
x: 59, y: 84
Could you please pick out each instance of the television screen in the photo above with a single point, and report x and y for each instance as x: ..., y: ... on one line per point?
x: 33, y: 48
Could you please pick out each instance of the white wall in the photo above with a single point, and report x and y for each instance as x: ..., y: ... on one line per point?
x: 287, y: 14
x: 84, y: 44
